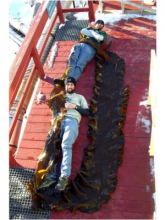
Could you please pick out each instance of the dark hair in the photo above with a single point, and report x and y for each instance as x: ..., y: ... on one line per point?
x: 70, y: 80
x: 100, y: 22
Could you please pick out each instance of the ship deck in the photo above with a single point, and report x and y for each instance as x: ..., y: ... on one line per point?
x: 132, y: 40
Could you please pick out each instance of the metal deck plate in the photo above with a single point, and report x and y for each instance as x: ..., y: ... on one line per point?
x: 71, y: 30
x: 19, y: 198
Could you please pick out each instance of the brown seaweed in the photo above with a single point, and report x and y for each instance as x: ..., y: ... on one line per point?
x: 97, y: 176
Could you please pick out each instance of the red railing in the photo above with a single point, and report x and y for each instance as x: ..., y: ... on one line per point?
x: 28, y: 50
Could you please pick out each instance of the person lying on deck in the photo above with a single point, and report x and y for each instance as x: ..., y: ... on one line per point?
x: 91, y: 39
x: 76, y: 106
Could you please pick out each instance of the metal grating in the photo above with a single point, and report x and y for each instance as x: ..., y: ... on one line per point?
x: 19, y: 198
x: 71, y: 30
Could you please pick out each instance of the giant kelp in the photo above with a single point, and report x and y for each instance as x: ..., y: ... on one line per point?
x: 97, y: 176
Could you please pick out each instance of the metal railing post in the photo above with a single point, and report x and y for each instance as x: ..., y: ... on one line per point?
x: 38, y: 64
x: 122, y: 6
x: 60, y: 12
x: 91, y: 11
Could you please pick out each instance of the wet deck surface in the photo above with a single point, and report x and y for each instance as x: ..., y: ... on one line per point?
x: 133, y: 41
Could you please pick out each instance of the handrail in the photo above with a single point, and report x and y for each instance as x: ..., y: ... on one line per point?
x: 152, y: 99
x: 139, y: 5
x: 24, y: 55
x: 28, y: 50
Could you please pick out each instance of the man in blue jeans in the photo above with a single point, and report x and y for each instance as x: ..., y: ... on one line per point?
x: 76, y: 106
x: 84, y: 51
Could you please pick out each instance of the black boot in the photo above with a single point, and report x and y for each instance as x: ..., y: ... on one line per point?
x: 62, y: 183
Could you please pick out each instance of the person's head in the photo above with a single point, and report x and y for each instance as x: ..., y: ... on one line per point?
x: 70, y: 84
x: 99, y: 24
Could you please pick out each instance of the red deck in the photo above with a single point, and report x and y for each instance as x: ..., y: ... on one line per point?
x: 132, y: 40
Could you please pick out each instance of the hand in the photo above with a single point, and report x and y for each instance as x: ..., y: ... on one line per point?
x: 69, y: 105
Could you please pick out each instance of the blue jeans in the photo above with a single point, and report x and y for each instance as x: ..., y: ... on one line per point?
x: 69, y: 133
x: 80, y: 55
